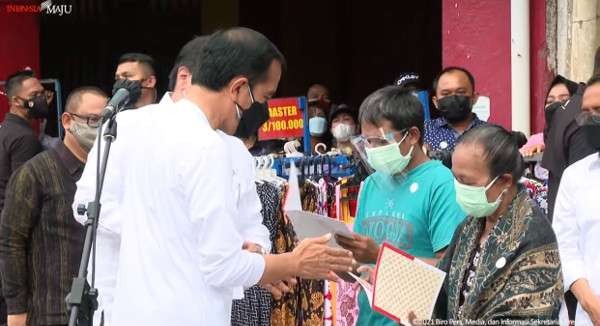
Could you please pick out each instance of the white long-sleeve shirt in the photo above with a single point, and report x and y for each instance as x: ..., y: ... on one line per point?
x: 577, y: 226
x: 248, y: 216
x: 180, y: 252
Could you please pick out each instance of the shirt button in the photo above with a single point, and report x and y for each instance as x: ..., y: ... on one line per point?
x: 500, y: 262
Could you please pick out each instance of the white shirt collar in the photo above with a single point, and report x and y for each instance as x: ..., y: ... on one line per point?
x: 166, y: 99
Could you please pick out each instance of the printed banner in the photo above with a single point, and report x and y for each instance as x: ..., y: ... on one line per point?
x: 286, y: 119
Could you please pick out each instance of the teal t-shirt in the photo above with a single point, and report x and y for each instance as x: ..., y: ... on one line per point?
x: 416, y: 212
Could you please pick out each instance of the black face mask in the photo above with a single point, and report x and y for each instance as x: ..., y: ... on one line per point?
x: 252, y: 119
x: 135, y: 91
x: 551, y: 109
x: 37, y: 107
x: 592, y: 134
x: 455, y: 108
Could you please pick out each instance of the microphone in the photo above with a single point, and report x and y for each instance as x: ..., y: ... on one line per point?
x: 116, y: 102
x: 125, y: 93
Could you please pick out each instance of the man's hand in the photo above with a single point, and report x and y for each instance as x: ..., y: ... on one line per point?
x: 252, y: 247
x: 364, y: 249
x: 314, y: 259
x: 589, y: 301
x: 412, y: 318
x: 591, y: 305
x: 532, y: 150
x: 369, y: 273
x: 17, y: 320
x: 278, y: 289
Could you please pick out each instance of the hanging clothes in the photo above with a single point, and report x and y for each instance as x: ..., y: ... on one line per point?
x: 312, y: 291
x: 256, y: 306
x: 347, y: 303
x: 285, y: 312
x: 304, y: 304
x: 347, y: 293
x: 310, y: 302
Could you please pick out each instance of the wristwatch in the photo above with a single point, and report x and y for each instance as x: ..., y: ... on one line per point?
x: 262, y: 251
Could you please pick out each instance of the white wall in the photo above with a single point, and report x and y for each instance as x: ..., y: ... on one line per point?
x: 577, y: 37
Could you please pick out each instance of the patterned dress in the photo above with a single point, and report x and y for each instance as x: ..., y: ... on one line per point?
x: 304, y: 305
x: 255, y: 308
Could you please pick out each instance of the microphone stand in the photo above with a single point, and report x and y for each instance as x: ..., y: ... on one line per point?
x: 82, y: 300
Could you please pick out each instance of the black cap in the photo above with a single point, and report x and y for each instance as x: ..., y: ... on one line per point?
x: 408, y: 79
x: 341, y: 108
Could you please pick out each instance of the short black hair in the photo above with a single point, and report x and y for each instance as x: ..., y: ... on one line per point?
x: 15, y: 81
x: 74, y: 98
x: 337, y: 109
x: 233, y: 52
x: 141, y: 58
x: 571, y: 86
x: 188, y: 56
x: 500, y: 147
x: 594, y: 80
x: 453, y: 69
x: 395, y: 104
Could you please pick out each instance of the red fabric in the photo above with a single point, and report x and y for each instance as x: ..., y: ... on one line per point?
x: 353, y: 203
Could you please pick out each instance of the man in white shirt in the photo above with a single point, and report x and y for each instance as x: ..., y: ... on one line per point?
x: 577, y: 216
x: 248, y: 218
x: 168, y: 191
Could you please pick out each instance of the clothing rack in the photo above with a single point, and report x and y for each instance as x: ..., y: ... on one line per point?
x: 311, y: 167
x: 335, y: 166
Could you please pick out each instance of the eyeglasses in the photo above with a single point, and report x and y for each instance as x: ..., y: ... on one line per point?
x: 375, y: 141
x: 93, y: 120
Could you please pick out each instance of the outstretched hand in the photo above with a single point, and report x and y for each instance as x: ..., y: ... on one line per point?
x: 317, y: 260
x: 364, y: 249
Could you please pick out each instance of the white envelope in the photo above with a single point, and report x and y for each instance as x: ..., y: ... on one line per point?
x: 366, y: 286
x: 310, y: 225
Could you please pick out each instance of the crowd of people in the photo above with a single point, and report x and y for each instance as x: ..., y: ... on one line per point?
x: 180, y: 234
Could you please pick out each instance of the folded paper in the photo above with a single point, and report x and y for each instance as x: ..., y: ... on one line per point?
x: 403, y: 284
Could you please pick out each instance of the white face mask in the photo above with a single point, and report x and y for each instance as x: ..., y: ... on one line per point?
x: 343, y: 132
x: 317, y: 126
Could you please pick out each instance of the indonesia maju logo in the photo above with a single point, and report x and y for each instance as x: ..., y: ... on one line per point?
x: 52, y: 9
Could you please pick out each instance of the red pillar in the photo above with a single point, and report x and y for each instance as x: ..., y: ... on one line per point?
x: 541, y: 76
x: 476, y: 35
x: 19, y: 41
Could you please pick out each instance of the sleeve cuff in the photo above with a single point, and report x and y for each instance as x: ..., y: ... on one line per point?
x: 16, y: 306
x: 441, y: 245
x: 256, y: 271
x: 573, y: 273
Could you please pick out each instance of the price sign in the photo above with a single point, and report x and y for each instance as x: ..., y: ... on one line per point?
x: 286, y: 119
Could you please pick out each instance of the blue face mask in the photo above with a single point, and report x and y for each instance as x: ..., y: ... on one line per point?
x: 317, y: 126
